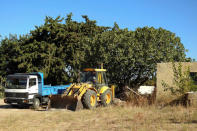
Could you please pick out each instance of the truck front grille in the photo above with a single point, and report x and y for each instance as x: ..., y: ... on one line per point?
x: 16, y: 95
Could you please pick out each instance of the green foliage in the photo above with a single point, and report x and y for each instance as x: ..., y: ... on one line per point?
x: 182, y: 81
x: 2, y: 83
x: 131, y: 56
x: 55, y: 48
x: 61, y: 47
x: 1, y: 92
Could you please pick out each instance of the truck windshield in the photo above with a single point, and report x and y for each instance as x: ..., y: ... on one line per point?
x: 16, y: 83
x: 88, y: 77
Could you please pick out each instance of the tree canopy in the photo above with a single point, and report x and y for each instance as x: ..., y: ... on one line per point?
x: 61, y: 47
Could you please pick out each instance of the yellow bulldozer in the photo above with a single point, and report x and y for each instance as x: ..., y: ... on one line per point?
x: 91, y: 90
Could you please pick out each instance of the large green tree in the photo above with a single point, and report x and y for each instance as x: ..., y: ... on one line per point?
x: 54, y: 48
x: 131, y: 56
x: 61, y: 47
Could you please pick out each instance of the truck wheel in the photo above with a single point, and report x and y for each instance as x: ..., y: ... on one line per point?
x: 36, y: 103
x: 89, y: 99
x: 106, y: 98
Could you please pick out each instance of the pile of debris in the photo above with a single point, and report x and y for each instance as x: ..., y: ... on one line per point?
x: 144, y: 95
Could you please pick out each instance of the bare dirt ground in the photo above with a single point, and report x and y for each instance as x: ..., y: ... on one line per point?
x: 109, y: 118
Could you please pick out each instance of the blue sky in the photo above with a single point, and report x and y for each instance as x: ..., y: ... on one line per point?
x: 178, y: 16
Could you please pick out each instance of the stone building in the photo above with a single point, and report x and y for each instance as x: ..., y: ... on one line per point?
x: 165, y: 73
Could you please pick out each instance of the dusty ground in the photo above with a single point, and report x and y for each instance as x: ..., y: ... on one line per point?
x: 110, y: 118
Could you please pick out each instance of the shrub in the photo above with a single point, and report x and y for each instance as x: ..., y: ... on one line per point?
x: 2, y: 83
x: 182, y: 81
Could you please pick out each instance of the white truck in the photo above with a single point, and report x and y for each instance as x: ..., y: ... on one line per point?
x: 29, y: 89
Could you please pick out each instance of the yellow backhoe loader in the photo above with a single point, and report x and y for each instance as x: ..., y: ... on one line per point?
x: 91, y: 91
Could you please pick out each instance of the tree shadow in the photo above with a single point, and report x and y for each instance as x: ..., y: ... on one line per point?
x: 6, y: 106
x: 187, y: 122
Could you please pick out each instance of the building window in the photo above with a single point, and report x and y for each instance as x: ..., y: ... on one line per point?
x: 194, y: 77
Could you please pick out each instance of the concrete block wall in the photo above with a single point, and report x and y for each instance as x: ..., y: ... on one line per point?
x: 165, y: 73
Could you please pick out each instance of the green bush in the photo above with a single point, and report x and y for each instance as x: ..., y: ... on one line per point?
x: 1, y: 92
x: 2, y: 82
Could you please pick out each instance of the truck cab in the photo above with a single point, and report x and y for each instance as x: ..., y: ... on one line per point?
x: 29, y: 88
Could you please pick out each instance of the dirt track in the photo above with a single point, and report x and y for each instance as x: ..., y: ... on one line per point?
x: 109, y: 118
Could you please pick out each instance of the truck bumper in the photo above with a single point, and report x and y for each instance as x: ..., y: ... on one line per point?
x: 18, y: 101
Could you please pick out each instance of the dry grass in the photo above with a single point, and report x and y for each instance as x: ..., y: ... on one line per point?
x: 109, y: 118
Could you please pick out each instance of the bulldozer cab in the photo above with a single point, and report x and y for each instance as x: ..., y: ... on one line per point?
x: 97, y: 77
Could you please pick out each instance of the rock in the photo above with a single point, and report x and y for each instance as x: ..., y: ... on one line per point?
x: 118, y: 102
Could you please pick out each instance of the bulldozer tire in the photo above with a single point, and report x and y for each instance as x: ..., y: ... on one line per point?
x: 89, y: 99
x: 36, y: 104
x: 106, y: 98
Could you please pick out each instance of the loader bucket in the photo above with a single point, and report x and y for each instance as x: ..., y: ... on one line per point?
x: 67, y: 102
